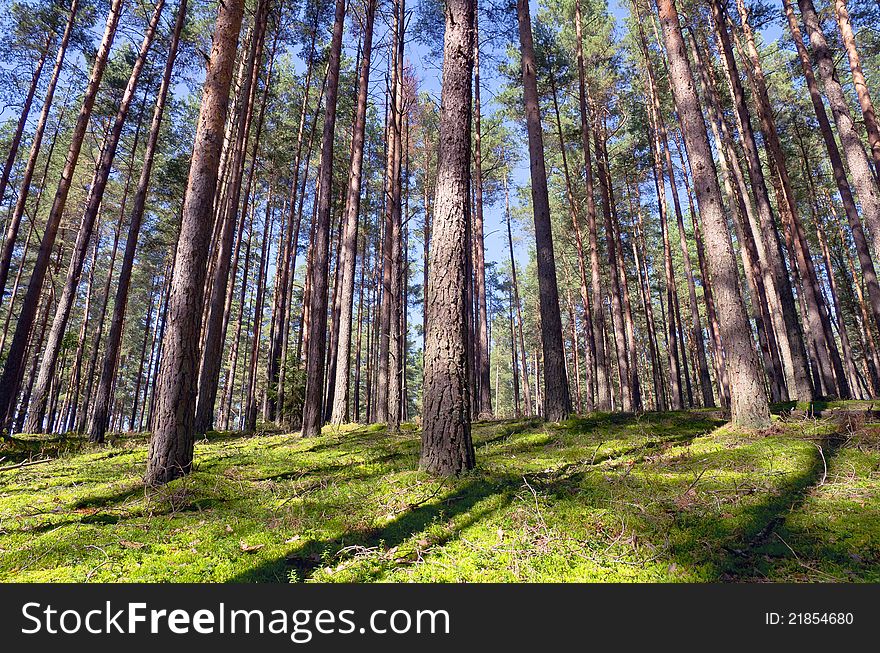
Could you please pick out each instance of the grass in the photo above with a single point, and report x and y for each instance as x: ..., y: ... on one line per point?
x: 671, y: 497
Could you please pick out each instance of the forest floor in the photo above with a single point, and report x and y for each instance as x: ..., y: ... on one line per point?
x: 673, y: 497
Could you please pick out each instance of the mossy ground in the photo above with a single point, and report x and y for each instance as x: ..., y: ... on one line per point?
x: 658, y: 497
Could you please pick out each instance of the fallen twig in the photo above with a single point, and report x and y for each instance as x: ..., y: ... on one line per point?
x: 26, y: 463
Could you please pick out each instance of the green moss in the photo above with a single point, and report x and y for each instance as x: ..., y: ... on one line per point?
x: 657, y: 497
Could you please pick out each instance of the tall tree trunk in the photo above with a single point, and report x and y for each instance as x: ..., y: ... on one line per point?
x: 657, y: 136
x: 557, y: 402
x: 212, y: 354
x: 348, y: 258
x: 596, y: 320
x: 250, y: 412
x: 99, y: 418
x: 578, y: 241
x: 172, y: 445
x: 866, y: 264
x: 10, y: 380
x: 527, y: 391
x: 446, y: 406
x: 749, y: 406
x: 616, y: 292
x: 765, y: 300
x: 817, y: 312
x: 482, y: 328
x: 93, y: 204
x: 788, y: 334
x: 313, y: 411
x: 863, y: 179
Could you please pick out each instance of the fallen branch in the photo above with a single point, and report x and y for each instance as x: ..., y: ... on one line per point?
x: 26, y: 463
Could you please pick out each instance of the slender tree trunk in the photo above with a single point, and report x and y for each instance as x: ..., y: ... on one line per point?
x: 484, y: 403
x: 749, y: 406
x: 99, y: 418
x: 817, y: 312
x: 578, y: 241
x: 172, y: 445
x: 859, y: 167
x: 250, y: 421
x: 93, y: 204
x: 318, y: 272
x: 527, y: 392
x: 596, y: 320
x: 10, y: 380
x: 348, y: 257
x: 788, y: 334
x: 557, y: 402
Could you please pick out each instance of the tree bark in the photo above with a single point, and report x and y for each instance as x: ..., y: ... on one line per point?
x: 100, y: 415
x: 313, y: 411
x: 447, y: 448
x: 749, y: 406
x: 557, y: 402
x: 93, y: 204
x: 172, y: 445
x: 855, y: 65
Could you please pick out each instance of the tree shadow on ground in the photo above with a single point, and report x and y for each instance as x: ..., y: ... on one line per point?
x: 306, y: 558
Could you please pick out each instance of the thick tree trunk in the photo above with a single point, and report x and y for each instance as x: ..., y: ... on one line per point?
x: 557, y: 402
x: 10, y: 380
x: 446, y: 405
x: 749, y: 406
x: 214, y: 327
x: 172, y: 445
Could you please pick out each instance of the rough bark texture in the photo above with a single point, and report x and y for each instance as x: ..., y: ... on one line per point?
x: 171, y: 448
x: 855, y: 65
x: 446, y: 407
x: 749, y: 406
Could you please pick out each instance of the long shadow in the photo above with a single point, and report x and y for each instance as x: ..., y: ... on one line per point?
x: 311, y: 555
x: 738, y: 557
